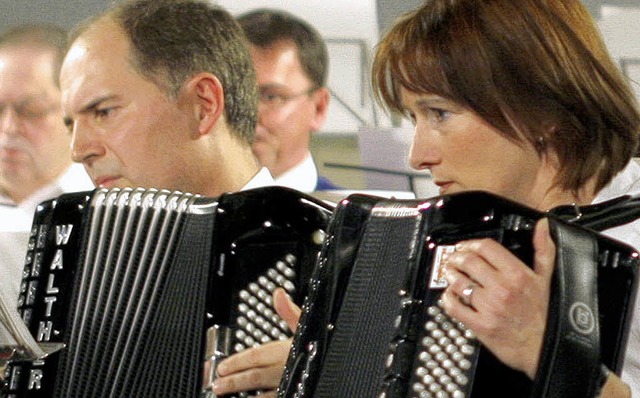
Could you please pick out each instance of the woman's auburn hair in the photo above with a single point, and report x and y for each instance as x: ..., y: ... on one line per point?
x: 536, y: 70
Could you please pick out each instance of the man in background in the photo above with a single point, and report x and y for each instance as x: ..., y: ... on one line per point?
x: 35, y: 162
x: 291, y: 64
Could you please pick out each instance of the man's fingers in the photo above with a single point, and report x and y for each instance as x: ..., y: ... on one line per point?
x: 275, y: 352
x: 286, y: 308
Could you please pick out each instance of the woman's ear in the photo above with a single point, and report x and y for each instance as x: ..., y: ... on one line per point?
x: 208, y: 100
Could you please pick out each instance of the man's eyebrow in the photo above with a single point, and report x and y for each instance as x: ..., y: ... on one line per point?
x: 68, y: 120
x: 271, y: 86
x: 97, y: 101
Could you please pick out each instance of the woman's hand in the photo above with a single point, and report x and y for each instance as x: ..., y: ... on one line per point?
x: 502, y: 300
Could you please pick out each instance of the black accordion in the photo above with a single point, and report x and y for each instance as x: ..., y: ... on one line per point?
x: 130, y: 282
x: 372, y: 325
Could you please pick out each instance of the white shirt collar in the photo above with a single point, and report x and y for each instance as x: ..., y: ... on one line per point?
x: 262, y: 179
x: 303, y: 176
x: 625, y: 182
x: 73, y: 180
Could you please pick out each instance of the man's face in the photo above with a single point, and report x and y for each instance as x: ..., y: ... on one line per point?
x: 34, y: 144
x: 290, y: 107
x: 125, y: 129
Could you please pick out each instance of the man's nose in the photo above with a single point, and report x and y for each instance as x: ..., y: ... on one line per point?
x: 84, y: 148
x: 9, y: 121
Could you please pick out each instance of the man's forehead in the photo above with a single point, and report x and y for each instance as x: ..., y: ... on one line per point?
x: 95, y: 56
x: 27, y: 74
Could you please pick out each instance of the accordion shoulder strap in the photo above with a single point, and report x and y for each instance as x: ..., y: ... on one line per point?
x: 570, y: 357
x: 601, y: 216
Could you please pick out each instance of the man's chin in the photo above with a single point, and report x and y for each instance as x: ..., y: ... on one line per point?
x: 265, y: 155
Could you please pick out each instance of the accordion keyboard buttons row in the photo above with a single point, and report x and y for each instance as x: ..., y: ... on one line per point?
x: 446, y: 356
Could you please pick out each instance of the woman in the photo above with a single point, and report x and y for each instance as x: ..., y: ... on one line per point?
x: 520, y: 99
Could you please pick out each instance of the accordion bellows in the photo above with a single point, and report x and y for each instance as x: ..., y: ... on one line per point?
x: 130, y: 280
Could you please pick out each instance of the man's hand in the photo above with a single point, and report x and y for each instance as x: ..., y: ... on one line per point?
x: 259, y: 368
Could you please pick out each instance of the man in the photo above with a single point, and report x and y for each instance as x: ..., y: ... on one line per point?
x: 162, y: 94
x: 35, y: 163
x: 291, y: 64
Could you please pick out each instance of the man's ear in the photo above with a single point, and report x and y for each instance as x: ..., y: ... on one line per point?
x: 208, y: 100
x: 321, y: 101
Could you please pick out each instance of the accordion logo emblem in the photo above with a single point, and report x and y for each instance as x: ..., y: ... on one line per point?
x: 581, y: 318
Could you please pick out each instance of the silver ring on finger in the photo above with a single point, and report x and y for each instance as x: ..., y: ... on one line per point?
x: 467, y: 294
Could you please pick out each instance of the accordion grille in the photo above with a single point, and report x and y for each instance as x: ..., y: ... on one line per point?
x: 377, y: 270
x: 129, y: 296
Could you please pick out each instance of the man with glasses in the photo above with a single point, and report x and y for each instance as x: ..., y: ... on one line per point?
x: 35, y: 162
x: 291, y: 64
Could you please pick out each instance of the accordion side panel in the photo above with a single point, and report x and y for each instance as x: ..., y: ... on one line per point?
x: 47, y: 279
x: 615, y: 268
x: 378, y: 277
x: 321, y: 306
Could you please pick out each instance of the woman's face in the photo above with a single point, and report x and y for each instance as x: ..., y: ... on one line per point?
x: 463, y: 153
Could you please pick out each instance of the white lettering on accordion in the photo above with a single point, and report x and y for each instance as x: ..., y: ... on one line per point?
x: 45, y: 327
x: 49, y: 300
x: 32, y: 294
x: 35, y: 378
x: 44, y: 330
x: 50, y: 288
x: 57, y: 260
x: 14, y: 380
x: 63, y: 233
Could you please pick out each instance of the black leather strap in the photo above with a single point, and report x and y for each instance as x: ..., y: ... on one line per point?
x: 570, y: 358
x: 601, y: 216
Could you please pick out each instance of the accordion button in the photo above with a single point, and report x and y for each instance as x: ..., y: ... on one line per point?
x: 465, y: 364
x: 462, y: 380
x: 417, y: 387
x: 451, y: 387
x: 467, y: 349
x: 431, y: 364
x: 428, y: 380
x: 427, y: 341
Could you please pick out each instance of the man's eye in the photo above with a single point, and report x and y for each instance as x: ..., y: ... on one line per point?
x: 102, y: 113
x: 32, y: 111
x: 270, y: 97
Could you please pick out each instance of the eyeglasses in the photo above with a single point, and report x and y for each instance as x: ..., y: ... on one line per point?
x: 274, y: 98
x: 29, y: 110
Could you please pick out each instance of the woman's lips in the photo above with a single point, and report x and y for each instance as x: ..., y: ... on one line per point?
x: 444, y: 186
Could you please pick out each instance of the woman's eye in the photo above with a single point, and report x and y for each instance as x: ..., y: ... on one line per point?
x: 411, y: 116
x: 441, y: 114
